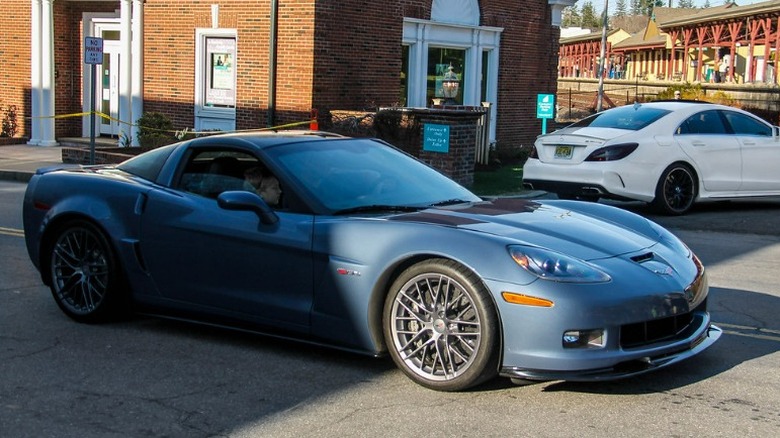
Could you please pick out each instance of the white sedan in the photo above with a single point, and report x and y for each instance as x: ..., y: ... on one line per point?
x: 670, y: 154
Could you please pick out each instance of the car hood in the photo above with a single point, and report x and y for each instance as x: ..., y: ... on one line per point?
x: 584, y: 230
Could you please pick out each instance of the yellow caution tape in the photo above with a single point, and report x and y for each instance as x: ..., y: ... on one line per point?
x: 177, y: 133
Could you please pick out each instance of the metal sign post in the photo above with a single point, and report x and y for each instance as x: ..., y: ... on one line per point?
x: 93, y: 55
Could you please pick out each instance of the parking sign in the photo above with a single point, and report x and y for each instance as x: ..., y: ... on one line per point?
x: 93, y: 50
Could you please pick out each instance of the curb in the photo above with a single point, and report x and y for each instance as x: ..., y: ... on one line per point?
x: 16, y: 175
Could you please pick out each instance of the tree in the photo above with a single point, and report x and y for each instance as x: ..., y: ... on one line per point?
x: 686, y: 4
x: 636, y: 7
x: 621, y: 9
x: 706, y: 4
x: 647, y: 6
x: 570, y: 17
x: 590, y: 19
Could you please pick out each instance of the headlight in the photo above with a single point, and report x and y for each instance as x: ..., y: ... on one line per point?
x: 551, y: 265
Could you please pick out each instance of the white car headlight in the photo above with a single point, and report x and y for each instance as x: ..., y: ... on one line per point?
x: 554, y: 266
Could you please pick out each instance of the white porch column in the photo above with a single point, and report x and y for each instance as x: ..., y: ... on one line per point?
x: 35, y: 73
x: 556, y: 9
x: 138, y: 67
x: 47, y: 75
x: 125, y: 71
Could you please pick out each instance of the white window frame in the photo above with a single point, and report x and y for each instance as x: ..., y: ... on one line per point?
x: 420, y: 35
x: 210, y: 118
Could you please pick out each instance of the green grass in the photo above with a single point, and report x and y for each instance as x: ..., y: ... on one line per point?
x: 503, y: 180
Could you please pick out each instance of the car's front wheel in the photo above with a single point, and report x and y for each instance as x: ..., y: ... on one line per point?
x: 676, y: 190
x: 441, y: 326
x: 85, y: 280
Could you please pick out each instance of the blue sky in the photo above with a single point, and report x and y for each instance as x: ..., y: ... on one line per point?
x: 599, y: 4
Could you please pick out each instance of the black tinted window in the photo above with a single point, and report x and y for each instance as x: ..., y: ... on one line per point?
x: 149, y: 164
x: 633, y: 117
x: 743, y: 124
x: 705, y: 122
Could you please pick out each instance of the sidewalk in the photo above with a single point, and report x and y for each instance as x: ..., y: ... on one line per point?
x: 19, y: 162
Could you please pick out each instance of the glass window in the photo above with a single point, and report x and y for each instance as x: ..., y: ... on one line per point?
x: 482, y: 81
x: 350, y: 173
x: 404, y: 76
x: 439, y: 62
x: 211, y: 172
x: 632, y: 117
x: 705, y: 122
x: 220, y: 72
x: 149, y: 164
x: 743, y: 124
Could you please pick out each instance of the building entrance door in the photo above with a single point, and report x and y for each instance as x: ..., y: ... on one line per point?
x: 108, y: 89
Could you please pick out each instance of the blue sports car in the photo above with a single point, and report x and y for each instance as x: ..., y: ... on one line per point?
x: 352, y: 243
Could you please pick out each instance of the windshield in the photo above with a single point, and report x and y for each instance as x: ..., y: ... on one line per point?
x: 353, y: 173
x: 632, y: 117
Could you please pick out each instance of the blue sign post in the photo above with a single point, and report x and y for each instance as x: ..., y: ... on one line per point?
x: 545, y: 109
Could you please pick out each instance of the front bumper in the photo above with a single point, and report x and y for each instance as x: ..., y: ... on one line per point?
x: 625, y: 369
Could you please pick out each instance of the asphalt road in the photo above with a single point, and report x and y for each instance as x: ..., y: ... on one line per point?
x: 151, y: 377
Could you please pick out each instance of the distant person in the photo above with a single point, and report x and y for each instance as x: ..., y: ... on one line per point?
x: 677, y: 95
x: 723, y: 68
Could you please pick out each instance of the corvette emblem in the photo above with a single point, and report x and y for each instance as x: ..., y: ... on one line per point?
x: 342, y: 271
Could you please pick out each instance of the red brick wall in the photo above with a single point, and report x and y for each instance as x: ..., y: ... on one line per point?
x: 528, y: 66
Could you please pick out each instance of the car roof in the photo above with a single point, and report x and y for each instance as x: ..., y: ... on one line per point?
x: 262, y: 138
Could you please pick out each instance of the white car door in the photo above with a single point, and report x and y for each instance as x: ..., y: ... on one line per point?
x: 715, y: 152
x: 760, y: 153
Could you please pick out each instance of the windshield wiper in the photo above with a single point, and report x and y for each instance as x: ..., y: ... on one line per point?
x: 378, y: 208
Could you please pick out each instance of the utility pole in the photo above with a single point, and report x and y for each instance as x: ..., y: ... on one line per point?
x: 601, y: 58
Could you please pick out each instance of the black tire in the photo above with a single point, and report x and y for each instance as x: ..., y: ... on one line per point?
x: 85, y: 279
x: 676, y: 191
x: 441, y: 326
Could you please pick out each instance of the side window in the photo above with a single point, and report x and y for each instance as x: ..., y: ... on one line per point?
x: 742, y: 124
x: 210, y: 172
x: 705, y: 122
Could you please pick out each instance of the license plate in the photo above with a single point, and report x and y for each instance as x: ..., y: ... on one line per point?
x: 564, y: 152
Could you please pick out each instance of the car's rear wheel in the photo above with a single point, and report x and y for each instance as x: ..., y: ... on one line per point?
x: 441, y: 326
x: 85, y: 279
x: 676, y: 190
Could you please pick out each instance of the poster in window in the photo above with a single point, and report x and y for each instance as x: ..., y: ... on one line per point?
x: 221, y: 72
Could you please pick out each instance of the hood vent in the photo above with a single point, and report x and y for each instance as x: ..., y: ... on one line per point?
x: 643, y: 257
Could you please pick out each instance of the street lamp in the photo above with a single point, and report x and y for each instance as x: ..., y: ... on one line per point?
x: 450, y: 85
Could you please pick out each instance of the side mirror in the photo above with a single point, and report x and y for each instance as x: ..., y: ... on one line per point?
x: 247, y: 201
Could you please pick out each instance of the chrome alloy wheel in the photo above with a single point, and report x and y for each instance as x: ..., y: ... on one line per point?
x: 80, y: 270
x: 435, y: 327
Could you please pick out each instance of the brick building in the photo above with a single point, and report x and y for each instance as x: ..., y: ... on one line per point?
x: 241, y: 64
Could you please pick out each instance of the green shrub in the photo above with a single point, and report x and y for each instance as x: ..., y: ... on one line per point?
x: 155, y: 130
